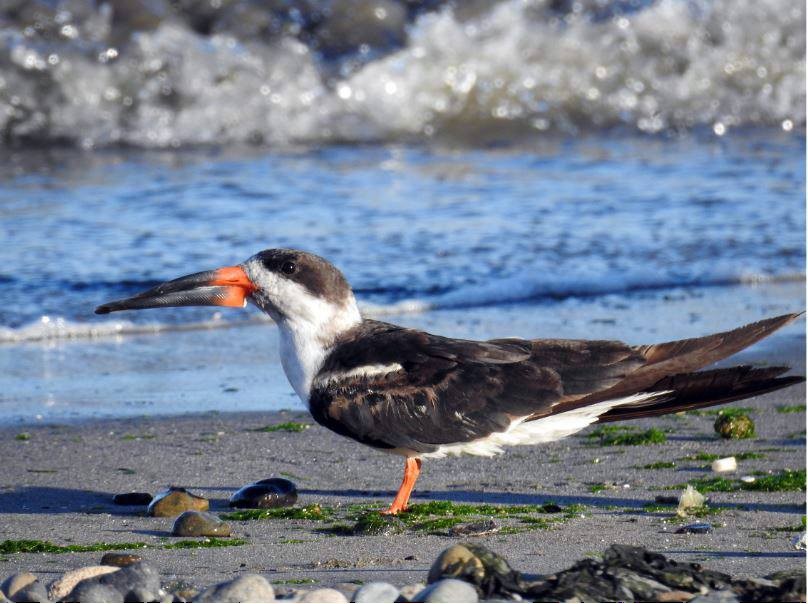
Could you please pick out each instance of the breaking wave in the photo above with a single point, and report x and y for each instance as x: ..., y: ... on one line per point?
x: 498, y: 291
x: 164, y: 74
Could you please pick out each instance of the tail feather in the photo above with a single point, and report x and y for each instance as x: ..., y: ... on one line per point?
x: 705, y: 389
x: 686, y: 356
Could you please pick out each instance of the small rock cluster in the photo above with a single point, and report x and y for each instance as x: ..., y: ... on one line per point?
x: 465, y: 572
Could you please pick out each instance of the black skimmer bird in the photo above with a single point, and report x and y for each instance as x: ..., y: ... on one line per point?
x: 420, y: 395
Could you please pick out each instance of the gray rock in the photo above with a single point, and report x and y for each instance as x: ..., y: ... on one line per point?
x: 199, y: 524
x: 377, y: 591
x: 138, y: 582
x: 16, y: 582
x: 448, y: 590
x: 33, y: 592
x: 717, y: 596
x: 247, y: 588
x: 268, y: 493
x: 90, y: 590
x: 697, y: 528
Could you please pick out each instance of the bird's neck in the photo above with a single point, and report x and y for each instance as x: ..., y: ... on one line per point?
x: 305, y: 343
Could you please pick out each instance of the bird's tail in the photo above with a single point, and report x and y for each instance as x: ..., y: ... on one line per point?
x: 705, y: 389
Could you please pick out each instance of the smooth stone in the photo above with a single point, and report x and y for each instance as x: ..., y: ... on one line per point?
x: 408, y: 592
x: 455, y: 560
x: 697, y: 528
x: 91, y: 591
x: 377, y: 591
x: 138, y: 582
x: 448, y: 590
x: 119, y: 559
x: 33, y: 592
x: 247, y: 588
x: 175, y: 501
x: 68, y: 581
x: 267, y: 493
x: 16, y: 582
x: 326, y: 595
x: 199, y: 524
x: 132, y: 499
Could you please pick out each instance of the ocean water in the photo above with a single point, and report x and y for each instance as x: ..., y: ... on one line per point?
x: 625, y: 169
x: 636, y: 238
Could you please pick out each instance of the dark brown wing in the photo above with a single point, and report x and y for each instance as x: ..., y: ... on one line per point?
x: 448, y: 391
x: 452, y: 391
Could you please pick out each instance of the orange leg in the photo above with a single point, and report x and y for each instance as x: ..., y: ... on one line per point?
x: 412, y: 467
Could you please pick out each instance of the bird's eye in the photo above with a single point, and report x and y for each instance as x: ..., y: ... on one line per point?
x: 289, y: 267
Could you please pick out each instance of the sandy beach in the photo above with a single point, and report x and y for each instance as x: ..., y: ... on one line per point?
x: 57, y: 485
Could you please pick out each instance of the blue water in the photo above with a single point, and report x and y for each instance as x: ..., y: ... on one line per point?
x: 618, y: 236
x: 413, y: 228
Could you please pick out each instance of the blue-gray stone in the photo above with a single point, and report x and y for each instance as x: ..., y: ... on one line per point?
x: 33, y: 592
x: 448, y: 590
x: 247, y: 588
x: 90, y: 590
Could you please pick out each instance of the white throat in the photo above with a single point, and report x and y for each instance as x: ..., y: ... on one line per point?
x: 304, y: 344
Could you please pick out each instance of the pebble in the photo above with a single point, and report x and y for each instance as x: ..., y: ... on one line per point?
x: 268, y: 493
x: 138, y: 582
x: 199, y: 524
x: 327, y: 595
x: 408, y: 592
x: 175, y: 501
x: 247, y: 588
x: 91, y: 591
x: 697, y: 528
x: 33, y: 592
x: 132, y: 499
x: 119, y: 559
x: 16, y: 582
x: 675, y: 595
x: 748, y: 479
x: 454, y: 560
x: 68, y: 581
x: 448, y: 590
x: 798, y: 541
x: 376, y: 591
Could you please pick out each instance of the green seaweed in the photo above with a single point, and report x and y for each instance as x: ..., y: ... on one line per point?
x: 785, y: 480
x: 659, y: 465
x: 28, y: 546
x: 138, y: 437
x: 790, y: 408
x: 701, y: 456
x: 609, y: 436
x: 302, y: 581
x: 309, y: 512
x: 284, y: 427
x: 22, y: 436
x: 597, y: 488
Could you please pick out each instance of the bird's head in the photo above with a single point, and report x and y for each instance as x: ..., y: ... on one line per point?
x: 293, y: 287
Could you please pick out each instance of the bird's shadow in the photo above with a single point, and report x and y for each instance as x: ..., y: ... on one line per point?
x: 59, y: 500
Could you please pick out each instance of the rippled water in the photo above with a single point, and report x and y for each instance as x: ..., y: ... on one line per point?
x: 631, y: 169
x: 412, y: 228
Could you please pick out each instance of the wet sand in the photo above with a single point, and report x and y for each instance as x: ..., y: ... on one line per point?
x: 58, y: 486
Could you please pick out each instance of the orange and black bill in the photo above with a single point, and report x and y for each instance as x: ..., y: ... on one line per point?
x: 228, y: 286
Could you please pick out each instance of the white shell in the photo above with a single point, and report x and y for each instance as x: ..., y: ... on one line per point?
x: 727, y: 464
